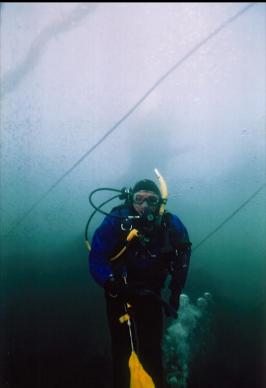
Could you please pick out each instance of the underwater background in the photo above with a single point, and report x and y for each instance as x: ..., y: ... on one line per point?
x: 98, y: 95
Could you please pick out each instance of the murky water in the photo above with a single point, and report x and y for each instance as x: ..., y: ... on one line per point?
x: 98, y: 95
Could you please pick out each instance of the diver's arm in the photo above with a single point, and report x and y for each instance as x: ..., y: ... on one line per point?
x: 181, y: 264
x: 103, y: 244
x: 180, y: 271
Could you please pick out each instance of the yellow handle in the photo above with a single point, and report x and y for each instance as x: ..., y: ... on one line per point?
x: 124, y: 318
x: 133, y: 233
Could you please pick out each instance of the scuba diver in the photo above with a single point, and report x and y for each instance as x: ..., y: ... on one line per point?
x: 133, y: 251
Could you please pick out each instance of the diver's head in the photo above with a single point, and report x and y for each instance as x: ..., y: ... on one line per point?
x: 146, y: 197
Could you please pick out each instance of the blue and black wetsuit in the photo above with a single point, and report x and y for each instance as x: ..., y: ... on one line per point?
x: 147, y: 262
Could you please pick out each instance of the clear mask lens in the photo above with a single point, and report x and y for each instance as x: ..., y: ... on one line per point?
x: 151, y: 199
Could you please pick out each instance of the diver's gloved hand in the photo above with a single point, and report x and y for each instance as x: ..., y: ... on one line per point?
x: 116, y: 287
x: 174, y: 301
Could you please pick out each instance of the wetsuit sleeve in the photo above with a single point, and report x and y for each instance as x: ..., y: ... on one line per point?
x: 181, y: 241
x: 104, y: 241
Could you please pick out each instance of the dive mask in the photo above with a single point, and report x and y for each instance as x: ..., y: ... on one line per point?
x: 151, y: 199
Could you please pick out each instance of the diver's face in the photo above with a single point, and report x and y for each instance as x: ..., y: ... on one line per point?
x: 145, y: 200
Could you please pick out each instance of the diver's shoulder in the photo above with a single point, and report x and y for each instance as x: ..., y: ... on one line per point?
x: 121, y: 210
x: 173, y: 219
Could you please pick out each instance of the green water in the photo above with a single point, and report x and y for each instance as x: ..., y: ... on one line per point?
x: 203, y: 127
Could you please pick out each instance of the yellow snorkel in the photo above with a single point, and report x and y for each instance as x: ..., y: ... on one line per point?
x: 164, y: 191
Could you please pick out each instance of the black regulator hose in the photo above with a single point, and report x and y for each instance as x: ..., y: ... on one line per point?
x: 123, y: 195
x: 97, y: 209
